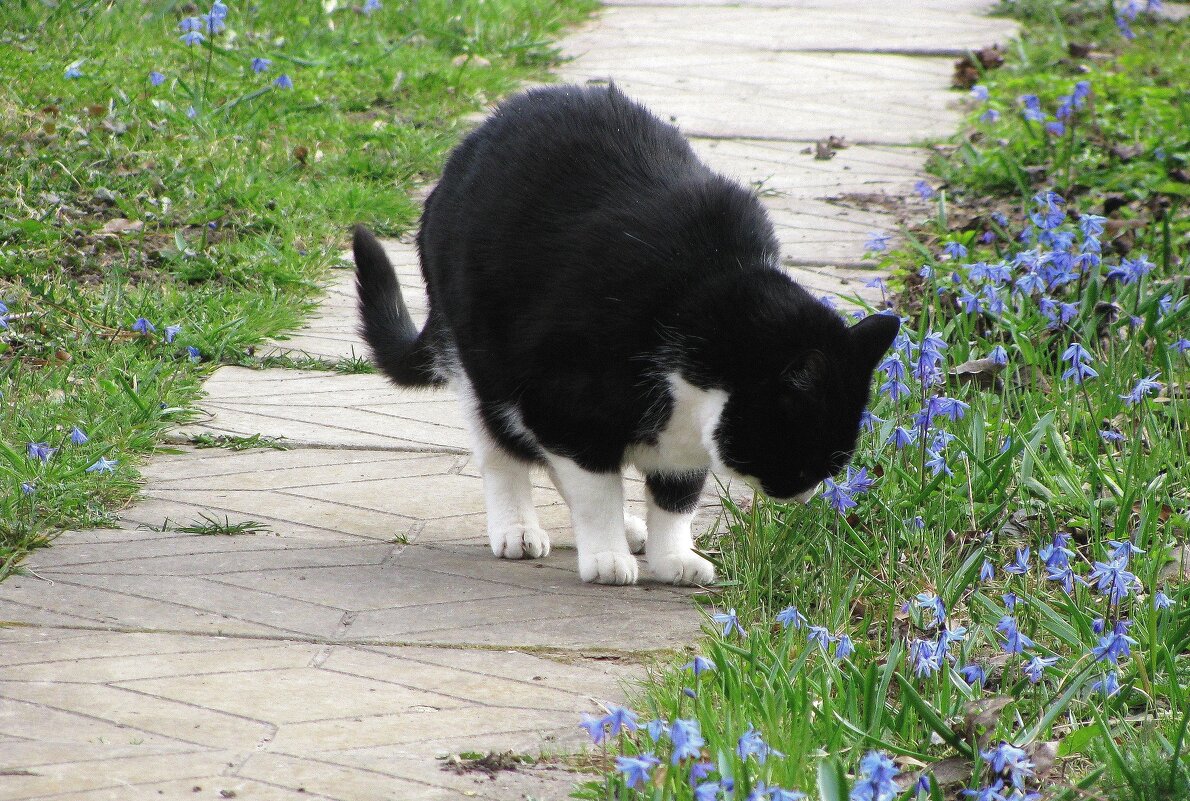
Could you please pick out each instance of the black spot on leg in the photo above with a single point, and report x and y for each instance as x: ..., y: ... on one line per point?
x: 676, y: 493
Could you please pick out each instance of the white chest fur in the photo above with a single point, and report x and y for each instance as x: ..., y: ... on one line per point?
x: 688, y: 440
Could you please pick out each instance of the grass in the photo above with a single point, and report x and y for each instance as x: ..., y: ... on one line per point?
x: 213, y: 200
x: 924, y: 620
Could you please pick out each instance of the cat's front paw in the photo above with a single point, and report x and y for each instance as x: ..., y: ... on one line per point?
x: 684, y: 567
x: 520, y: 542
x: 636, y: 533
x: 608, y: 567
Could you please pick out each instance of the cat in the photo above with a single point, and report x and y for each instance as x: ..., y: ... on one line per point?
x: 598, y: 298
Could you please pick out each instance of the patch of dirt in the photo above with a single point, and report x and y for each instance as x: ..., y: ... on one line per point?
x: 489, y: 764
x: 966, y: 70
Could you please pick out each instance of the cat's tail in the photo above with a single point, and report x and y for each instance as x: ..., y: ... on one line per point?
x: 405, y: 355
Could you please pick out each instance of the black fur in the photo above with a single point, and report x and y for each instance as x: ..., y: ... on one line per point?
x: 576, y: 251
x: 678, y: 492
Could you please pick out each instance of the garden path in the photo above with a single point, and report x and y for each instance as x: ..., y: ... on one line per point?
x: 367, y: 630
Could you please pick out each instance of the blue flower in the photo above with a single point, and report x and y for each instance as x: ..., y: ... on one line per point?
x: 143, y: 326
x: 979, y: 92
x: 28, y: 488
x: 656, y: 728
x: 1008, y: 759
x: 924, y: 190
x: 156, y: 78
x: 699, y: 771
x: 171, y: 331
x: 371, y: 5
x: 73, y: 72
x: 928, y: 601
x: 901, y: 438
x: 707, y: 791
x: 103, y: 466
x: 619, y: 718
x: 700, y: 665
x: 636, y: 769
x: 78, y: 436
x: 260, y: 64
x: 191, y: 112
x: 1114, y: 579
x: 937, y: 463
x: 752, y: 744
x: 777, y: 794
x: 1112, y: 646
x: 191, y: 38
x: 877, y: 779
x: 973, y: 674
x: 919, y: 523
x: 820, y: 635
x: 283, y: 82
x: 1014, y: 641
x: 1020, y: 565
x: 686, y: 737
x: 1181, y: 346
x: 999, y: 355
x: 40, y: 451
x: 1078, y: 357
x: 1112, y: 436
x: 1064, y: 574
x: 990, y: 116
x: 1032, y: 108
x: 213, y: 24
x: 956, y: 250
x: 1108, y: 686
x: 1049, y: 214
x: 595, y: 728
x: 868, y: 421
x: 789, y: 616
x: 878, y: 242
x: 1144, y: 387
x: 992, y: 792
x: 190, y: 25
x: 845, y: 648
x: 1161, y: 601
x: 729, y: 621
x: 986, y: 570
x: 838, y: 496
x: 1035, y: 667
x: 925, y: 657
x: 1092, y: 225
x: 969, y: 302
x: 1055, y: 128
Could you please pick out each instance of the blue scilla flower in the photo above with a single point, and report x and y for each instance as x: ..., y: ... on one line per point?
x: 143, y: 326
x: 878, y: 242
x: 78, y: 436
x: 969, y: 302
x: 1112, y: 646
x: 1010, y: 600
x: 998, y: 355
x: 1055, y: 128
x: 752, y: 744
x: 924, y: 190
x: 260, y: 64
x: 1144, y: 387
x: 1108, y: 686
x: 191, y: 38
x: 193, y: 353
x: 877, y: 779
x: 1079, y: 371
x: 895, y: 389
x: 973, y: 674
x: 636, y: 770
x: 979, y: 92
x: 730, y: 622
x: 993, y: 792
x: 844, y: 647
x: 777, y: 794
x: 990, y: 116
x: 901, y: 438
x: 1161, y: 600
x: 1031, y: 108
x: 790, y: 617
x: 212, y: 24
x: 1008, y: 760
x: 987, y: 570
x: 171, y: 331
x: 72, y: 72
x: 686, y: 736
x: 28, y: 488
x: 956, y: 250
x: 1092, y: 225
x: 820, y: 635
x: 1049, y: 213
x: 1020, y: 565
x: 923, y: 654
x: 1030, y: 283
x: 371, y: 6
x: 868, y: 421
x: 936, y: 462
x: 1064, y: 574
x: 655, y: 728
x: 1114, y: 579
x: 190, y: 25
x: 1034, y: 669
x: 893, y: 367
x: 41, y: 451
x: 1015, y: 642
x: 707, y: 791
x: 156, y: 78
x: 699, y: 665
x: 283, y: 82
x: 930, y: 602
x: 104, y: 465
x: 838, y: 495
x: 219, y: 9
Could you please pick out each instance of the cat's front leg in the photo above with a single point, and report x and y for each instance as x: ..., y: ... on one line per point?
x: 672, y: 500
x: 596, y: 502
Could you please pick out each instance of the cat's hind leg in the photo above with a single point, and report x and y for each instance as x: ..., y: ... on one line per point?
x: 672, y: 500
x: 514, y: 531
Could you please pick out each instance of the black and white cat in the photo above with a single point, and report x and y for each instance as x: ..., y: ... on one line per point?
x: 599, y: 298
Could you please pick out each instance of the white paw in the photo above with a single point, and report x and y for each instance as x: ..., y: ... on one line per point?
x: 636, y: 533
x: 608, y: 567
x: 683, y: 567
x: 520, y: 542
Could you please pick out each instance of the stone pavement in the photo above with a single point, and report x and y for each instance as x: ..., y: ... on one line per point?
x: 362, y: 629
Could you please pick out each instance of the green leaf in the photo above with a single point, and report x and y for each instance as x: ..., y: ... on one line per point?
x: 1077, y: 741
x: 832, y: 781
x: 933, y: 719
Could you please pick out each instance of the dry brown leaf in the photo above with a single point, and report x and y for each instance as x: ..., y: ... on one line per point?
x: 120, y: 226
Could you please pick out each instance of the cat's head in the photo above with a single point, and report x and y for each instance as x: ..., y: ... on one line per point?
x: 793, y: 418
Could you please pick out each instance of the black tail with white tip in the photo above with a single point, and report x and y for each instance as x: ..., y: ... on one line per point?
x: 397, y: 347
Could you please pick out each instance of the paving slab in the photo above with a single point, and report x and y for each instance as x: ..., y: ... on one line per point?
x: 362, y: 629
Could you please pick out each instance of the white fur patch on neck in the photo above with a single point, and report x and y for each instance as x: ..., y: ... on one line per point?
x: 688, y: 440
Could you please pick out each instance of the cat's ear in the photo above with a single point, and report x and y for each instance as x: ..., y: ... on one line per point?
x: 871, y: 337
